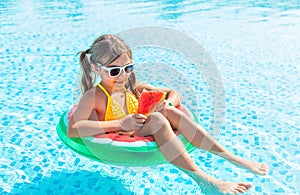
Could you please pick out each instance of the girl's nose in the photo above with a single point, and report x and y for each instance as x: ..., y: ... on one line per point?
x: 122, y: 74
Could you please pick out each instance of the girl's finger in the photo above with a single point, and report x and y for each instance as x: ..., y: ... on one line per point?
x: 140, y: 116
x: 140, y: 121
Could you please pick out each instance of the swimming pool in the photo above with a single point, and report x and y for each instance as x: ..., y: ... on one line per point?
x: 254, y: 45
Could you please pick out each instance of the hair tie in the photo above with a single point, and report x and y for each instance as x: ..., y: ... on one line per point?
x: 88, y: 55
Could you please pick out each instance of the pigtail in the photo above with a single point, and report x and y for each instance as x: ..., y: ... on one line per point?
x: 88, y: 77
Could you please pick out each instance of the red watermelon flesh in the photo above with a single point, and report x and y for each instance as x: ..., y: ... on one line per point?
x: 149, y: 100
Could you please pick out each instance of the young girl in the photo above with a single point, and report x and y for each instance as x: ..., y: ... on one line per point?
x: 111, y: 106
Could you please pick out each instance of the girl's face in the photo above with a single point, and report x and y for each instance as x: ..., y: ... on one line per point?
x: 108, y: 75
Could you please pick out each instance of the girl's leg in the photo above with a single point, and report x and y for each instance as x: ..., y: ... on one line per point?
x: 195, y: 134
x: 174, y: 151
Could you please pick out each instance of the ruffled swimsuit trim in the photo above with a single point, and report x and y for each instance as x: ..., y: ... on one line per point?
x: 114, y: 111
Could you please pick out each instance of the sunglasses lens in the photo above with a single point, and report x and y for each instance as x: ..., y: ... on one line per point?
x: 129, y: 69
x: 115, y: 72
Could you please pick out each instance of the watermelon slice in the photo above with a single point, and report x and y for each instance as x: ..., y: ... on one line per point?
x: 149, y: 100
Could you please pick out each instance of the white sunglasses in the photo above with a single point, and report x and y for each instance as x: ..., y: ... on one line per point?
x: 116, y: 71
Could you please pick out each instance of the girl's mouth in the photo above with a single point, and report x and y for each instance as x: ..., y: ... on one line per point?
x: 119, y: 82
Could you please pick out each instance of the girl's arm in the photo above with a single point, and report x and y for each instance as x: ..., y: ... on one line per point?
x: 85, y: 128
x: 173, y: 97
x: 79, y: 124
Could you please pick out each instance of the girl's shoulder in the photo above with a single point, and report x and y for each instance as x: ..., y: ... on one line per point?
x: 93, y: 96
x: 94, y: 92
x: 90, y: 92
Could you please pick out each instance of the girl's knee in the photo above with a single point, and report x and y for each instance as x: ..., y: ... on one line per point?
x: 154, y: 123
x: 174, y: 112
x: 157, y: 118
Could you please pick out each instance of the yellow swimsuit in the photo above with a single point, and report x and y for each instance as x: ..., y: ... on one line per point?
x: 114, y: 110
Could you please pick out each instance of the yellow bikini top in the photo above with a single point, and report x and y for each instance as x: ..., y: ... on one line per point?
x: 114, y: 111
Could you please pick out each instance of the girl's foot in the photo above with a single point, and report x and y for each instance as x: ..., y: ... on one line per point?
x: 213, y: 186
x: 255, y: 167
x: 225, y: 187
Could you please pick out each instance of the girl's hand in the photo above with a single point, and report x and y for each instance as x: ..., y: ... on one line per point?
x: 132, y: 122
x: 162, y: 107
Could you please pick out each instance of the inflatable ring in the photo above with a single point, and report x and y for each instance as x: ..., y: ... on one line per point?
x: 118, y: 149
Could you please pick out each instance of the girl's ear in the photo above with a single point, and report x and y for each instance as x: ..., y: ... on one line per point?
x: 95, y: 68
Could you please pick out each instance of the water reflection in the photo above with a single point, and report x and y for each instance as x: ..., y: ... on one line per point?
x: 171, y: 10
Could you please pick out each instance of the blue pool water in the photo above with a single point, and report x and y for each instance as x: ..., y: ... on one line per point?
x: 255, y: 49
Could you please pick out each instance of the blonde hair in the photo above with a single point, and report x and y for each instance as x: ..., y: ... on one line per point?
x: 104, y: 50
